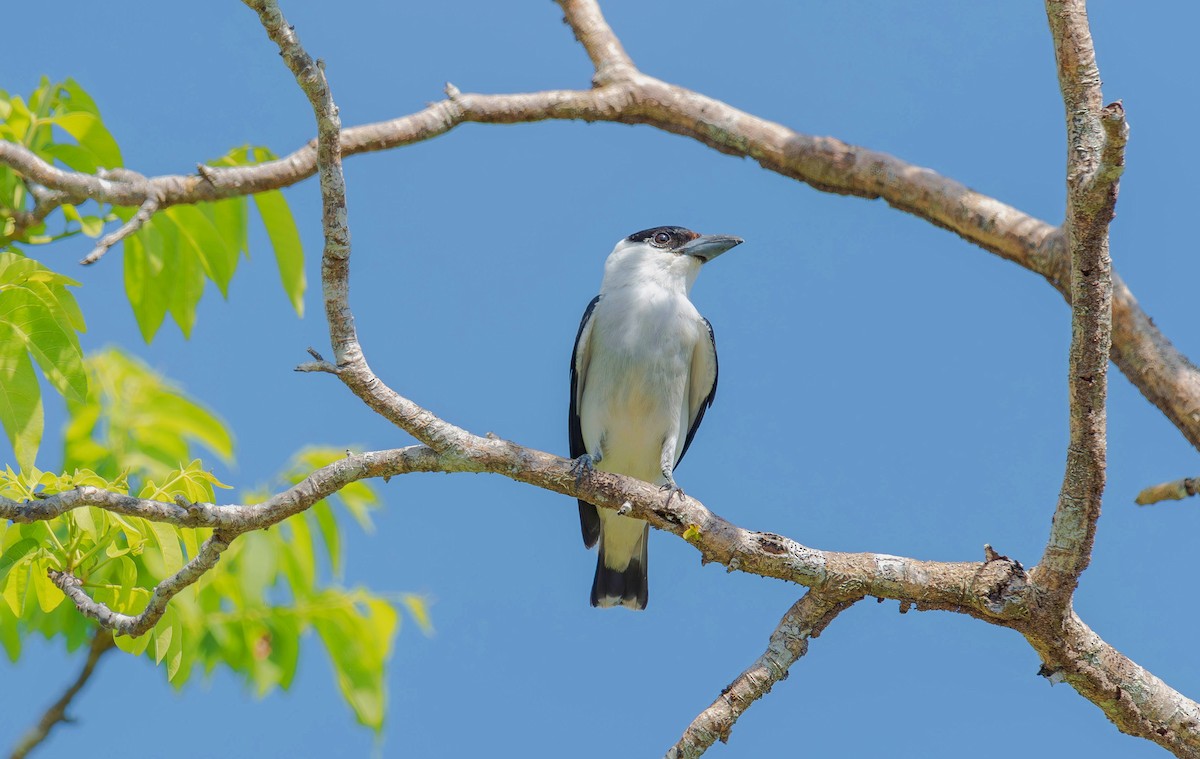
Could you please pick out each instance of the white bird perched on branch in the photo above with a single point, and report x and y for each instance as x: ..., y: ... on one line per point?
x: 643, y: 372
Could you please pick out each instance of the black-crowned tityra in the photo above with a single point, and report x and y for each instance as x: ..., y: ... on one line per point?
x: 643, y: 372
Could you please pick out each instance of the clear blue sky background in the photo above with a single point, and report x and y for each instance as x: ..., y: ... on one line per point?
x: 884, y: 386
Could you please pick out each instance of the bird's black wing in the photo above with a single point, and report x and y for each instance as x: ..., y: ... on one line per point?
x: 589, y: 520
x: 702, y: 390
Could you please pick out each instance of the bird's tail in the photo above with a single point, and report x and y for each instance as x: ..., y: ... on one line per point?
x: 617, y: 585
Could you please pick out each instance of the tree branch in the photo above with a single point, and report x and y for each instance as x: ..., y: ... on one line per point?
x: 1136, y: 701
x: 1095, y: 159
x: 1164, y: 376
x: 335, y: 259
x: 1175, y: 490
x: 102, y: 643
x: 807, y: 618
x: 997, y: 590
x: 123, y: 624
x: 608, y: 55
x: 139, y: 219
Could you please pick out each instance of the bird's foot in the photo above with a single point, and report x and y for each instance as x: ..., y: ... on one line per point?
x: 675, y: 489
x: 583, y: 467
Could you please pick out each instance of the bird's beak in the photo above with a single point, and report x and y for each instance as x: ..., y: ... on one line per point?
x: 708, y: 247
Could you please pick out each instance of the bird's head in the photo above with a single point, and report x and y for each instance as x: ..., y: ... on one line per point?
x: 671, y: 256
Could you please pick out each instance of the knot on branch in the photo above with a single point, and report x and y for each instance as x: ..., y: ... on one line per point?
x: 1001, y: 584
x: 64, y: 580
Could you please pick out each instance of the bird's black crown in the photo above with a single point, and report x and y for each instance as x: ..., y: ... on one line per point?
x: 674, y: 236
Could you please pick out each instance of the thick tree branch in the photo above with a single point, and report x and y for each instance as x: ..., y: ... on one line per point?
x: 102, y: 643
x: 1163, y: 375
x: 1136, y: 701
x: 993, y: 589
x: 1095, y: 158
x: 997, y: 590
x: 807, y: 618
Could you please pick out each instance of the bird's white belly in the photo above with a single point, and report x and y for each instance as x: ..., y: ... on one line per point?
x: 633, y: 401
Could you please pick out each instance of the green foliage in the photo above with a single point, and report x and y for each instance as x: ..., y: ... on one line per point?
x: 133, y: 419
x: 250, y: 613
x: 171, y: 256
x: 132, y: 432
x: 169, y: 260
x: 39, y: 321
x: 61, y: 124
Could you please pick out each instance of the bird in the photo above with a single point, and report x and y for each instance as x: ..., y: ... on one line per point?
x: 643, y: 372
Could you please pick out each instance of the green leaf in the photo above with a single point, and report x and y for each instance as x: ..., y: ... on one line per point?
x: 74, y: 157
x: 91, y: 226
x: 418, y: 607
x: 133, y: 419
x: 229, y: 218
x: 167, y: 537
x: 47, y: 593
x: 279, y: 223
x: 174, y: 654
x: 359, y: 644
x: 12, y: 555
x: 10, y: 636
x: 90, y: 132
x: 258, y: 565
x: 38, y: 319
x: 78, y: 99
x: 322, y: 513
x: 199, y: 238
x: 285, y: 647
x: 134, y: 646
x: 34, y: 317
x: 20, y: 399
x: 300, y: 562
x: 17, y: 587
x: 150, y: 277
x: 163, y: 633
x: 285, y: 240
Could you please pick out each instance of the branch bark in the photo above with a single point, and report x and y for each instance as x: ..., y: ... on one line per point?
x: 1176, y: 490
x: 807, y: 618
x: 997, y: 590
x: 1163, y: 375
x: 102, y: 643
x: 1096, y: 139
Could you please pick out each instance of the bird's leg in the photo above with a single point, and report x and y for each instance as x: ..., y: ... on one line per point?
x: 671, y: 486
x: 584, y: 466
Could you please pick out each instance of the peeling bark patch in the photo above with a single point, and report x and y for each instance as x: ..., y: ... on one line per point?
x: 890, y: 567
x: 773, y: 544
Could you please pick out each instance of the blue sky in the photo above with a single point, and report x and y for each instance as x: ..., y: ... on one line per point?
x: 885, y: 386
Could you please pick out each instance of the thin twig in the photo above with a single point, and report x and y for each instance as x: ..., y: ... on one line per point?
x: 608, y: 55
x: 139, y: 219
x: 124, y: 624
x: 353, y: 369
x: 102, y: 643
x: 807, y: 618
x: 1176, y: 490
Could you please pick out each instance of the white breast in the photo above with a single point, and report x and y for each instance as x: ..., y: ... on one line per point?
x: 634, y: 394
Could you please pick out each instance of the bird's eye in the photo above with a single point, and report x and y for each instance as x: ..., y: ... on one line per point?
x: 661, y: 238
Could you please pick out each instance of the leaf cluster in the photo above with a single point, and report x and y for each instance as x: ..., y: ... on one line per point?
x: 132, y: 431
